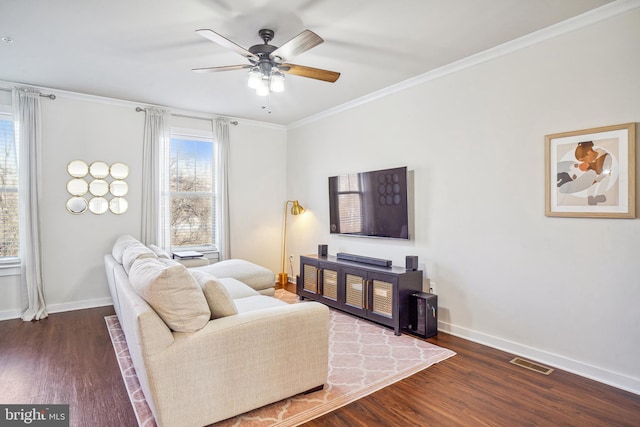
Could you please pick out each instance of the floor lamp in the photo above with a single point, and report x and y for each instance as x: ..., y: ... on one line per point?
x: 296, y: 209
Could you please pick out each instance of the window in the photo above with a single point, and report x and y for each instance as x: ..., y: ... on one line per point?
x: 192, y: 187
x: 9, y: 238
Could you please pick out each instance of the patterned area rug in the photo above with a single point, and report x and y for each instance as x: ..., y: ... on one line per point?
x: 363, y: 358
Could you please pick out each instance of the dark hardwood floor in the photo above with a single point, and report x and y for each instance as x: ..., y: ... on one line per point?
x: 68, y: 358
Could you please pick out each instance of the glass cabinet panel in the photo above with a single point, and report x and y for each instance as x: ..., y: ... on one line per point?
x: 330, y: 284
x: 310, y: 278
x: 355, y: 290
x: 382, y: 298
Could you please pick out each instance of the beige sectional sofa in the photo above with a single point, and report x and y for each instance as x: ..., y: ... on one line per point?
x: 208, y: 348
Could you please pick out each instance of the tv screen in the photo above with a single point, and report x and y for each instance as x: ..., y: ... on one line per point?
x: 372, y: 204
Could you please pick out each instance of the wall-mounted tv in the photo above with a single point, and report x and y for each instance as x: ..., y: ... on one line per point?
x: 371, y: 204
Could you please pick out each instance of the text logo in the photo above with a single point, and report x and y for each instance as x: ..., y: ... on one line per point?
x: 34, y: 415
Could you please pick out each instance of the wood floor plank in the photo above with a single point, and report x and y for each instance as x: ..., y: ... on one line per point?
x: 68, y: 358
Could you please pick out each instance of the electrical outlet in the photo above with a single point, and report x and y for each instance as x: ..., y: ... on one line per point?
x: 291, y: 257
x: 432, y: 287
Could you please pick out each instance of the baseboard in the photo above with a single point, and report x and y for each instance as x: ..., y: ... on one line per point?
x: 10, y: 314
x: 613, y: 379
x: 79, y: 305
x: 59, y: 308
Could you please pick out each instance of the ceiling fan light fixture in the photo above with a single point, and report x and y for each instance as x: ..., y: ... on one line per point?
x: 255, y: 78
x: 276, y: 82
x: 263, y: 87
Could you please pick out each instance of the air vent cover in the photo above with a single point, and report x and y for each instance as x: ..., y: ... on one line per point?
x: 533, y: 366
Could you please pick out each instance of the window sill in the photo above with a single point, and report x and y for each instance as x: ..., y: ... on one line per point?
x: 9, y: 270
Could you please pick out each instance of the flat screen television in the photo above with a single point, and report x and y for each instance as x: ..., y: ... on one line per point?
x: 371, y: 204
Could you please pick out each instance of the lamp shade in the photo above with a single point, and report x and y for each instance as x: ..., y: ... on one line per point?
x: 255, y: 78
x: 276, y: 82
x: 296, y: 209
x: 263, y: 87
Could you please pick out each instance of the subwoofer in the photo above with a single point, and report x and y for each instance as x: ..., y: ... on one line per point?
x: 423, y: 314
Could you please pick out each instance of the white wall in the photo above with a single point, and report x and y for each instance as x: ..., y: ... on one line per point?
x: 563, y: 291
x: 89, y: 128
x: 258, y: 190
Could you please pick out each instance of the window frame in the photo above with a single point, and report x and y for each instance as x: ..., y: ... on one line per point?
x: 201, y: 136
x: 10, y: 266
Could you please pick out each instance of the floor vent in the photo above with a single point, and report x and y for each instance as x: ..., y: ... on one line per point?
x: 531, y: 366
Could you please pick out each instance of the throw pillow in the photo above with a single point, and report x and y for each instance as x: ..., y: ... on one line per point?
x: 172, y: 292
x: 220, y: 302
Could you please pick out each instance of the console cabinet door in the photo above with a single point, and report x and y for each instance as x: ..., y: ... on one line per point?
x: 383, y: 299
x: 329, y: 282
x: 319, y: 281
x: 371, y: 295
x: 354, y: 283
x: 309, y: 278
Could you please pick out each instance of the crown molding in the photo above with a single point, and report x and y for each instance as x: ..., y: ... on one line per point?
x: 591, y: 17
x: 64, y: 94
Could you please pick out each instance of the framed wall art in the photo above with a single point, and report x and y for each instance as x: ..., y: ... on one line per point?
x: 591, y: 172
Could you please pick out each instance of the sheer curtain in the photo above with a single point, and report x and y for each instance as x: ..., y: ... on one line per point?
x: 222, y: 158
x: 27, y: 123
x: 155, y: 225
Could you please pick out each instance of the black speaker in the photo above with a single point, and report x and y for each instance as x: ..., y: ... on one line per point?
x: 423, y: 314
x: 411, y: 262
x: 322, y: 250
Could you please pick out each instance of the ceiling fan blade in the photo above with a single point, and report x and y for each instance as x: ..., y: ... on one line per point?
x: 223, y: 68
x: 223, y: 41
x: 312, y: 73
x: 297, y: 45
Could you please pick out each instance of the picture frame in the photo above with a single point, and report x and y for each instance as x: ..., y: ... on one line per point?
x: 591, y: 172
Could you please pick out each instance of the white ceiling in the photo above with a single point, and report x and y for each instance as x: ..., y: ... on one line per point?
x: 144, y: 50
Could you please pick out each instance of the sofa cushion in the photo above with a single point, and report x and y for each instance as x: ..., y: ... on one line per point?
x: 160, y: 253
x: 236, y: 288
x: 257, y: 302
x: 219, y: 300
x: 257, y: 277
x: 121, y: 244
x: 171, y: 290
x: 134, y: 251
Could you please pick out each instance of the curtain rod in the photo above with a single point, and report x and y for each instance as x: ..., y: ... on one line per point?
x: 235, y: 122
x: 50, y: 96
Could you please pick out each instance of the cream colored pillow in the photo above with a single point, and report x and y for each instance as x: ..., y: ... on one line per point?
x: 172, y: 292
x: 220, y: 302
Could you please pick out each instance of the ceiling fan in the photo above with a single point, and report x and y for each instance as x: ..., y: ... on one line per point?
x: 268, y: 62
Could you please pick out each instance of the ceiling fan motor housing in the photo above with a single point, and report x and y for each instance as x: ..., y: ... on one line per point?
x: 266, y: 35
x: 263, y: 52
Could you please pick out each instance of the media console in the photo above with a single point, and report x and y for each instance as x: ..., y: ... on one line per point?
x: 373, y: 292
